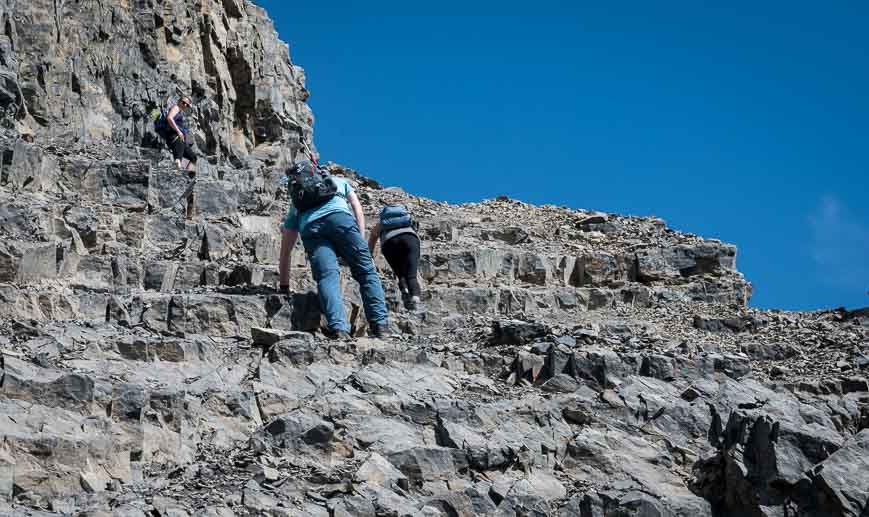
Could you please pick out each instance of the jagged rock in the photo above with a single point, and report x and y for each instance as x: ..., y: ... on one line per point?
x: 839, y: 485
x: 659, y: 367
x: 762, y: 461
x: 511, y: 235
x: 537, y: 484
x: 25, y: 263
x: 378, y: 471
x: 298, y: 428
x: 859, y: 315
x: 604, y: 367
x: 429, y: 464
x: 592, y: 219
x: 854, y: 385
x: 129, y: 402
x: 23, y: 381
x: 598, y: 269
x: 770, y: 351
x: 533, y: 269
x: 32, y: 169
x: 259, y: 502
x: 215, y: 199
x: 84, y: 221
x: 515, y: 332
x: 55, y: 440
x: 297, y: 352
x: 352, y: 507
x: 578, y: 416
x: 305, y: 315
x: 267, y: 337
x: 217, y: 315
x: 561, y: 383
x: 527, y: 366
x: 559, y: 360
x: 736, y: 366
x: 741, y: 324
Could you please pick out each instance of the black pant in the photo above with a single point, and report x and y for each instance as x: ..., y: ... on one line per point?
x: 180, y: 148
x: 402, y: 253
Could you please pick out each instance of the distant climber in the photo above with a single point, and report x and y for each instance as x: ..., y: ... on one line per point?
x: 172, y: 127
x: 326, y: 212
x: 400, y: 245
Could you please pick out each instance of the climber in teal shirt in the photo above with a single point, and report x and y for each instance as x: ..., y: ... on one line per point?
x: 298, y: 222
x: 329, y: 231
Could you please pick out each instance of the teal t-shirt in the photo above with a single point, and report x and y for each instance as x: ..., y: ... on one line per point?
x: 296, y: 221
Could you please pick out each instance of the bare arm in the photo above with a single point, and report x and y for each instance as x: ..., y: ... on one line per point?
x: 288, y: 241
x: 357, y: 212
x: 171, y: 119
x: 373, y: 238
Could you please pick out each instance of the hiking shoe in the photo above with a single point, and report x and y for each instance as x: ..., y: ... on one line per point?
x: 412, y: 303
x: 379, y: 331
x: 339, y: 335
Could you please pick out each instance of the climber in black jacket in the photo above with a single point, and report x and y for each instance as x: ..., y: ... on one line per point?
x: 400, y: 244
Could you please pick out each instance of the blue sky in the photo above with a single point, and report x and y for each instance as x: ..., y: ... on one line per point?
x: 745, y: 121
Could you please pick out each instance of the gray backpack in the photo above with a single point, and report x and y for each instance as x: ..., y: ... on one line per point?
x: 393, y: 217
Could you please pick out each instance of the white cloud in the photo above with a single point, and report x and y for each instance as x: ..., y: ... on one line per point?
x: 840, y: 245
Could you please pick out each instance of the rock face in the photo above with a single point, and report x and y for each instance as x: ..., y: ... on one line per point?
x: 92, y: 72
x: 564, y: 362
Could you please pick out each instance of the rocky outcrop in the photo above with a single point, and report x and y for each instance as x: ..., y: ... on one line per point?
x: 564, y: 362
x: 92, y: 72
x: 149, y: 365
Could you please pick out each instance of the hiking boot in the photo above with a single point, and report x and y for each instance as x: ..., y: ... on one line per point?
x: 412, y: 303
x: 339, y: 335
x: 379, y: 331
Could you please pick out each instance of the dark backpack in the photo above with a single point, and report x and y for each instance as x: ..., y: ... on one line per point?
x: 161, y: 121
x: 160, y: 124
x: 309, y: 186
x: 393, y: 217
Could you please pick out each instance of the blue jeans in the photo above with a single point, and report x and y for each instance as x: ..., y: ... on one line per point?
x: 338, y: 233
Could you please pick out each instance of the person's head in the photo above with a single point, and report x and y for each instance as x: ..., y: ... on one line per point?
x: 185, y: 103
x: 300, y: 168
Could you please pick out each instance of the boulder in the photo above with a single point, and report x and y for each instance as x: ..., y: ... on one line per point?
x: 761, y: 461
x: 377, y: 470
x: 839, y: 485
x: 516, y: 332
x: 423, y: 464
x: 298, y: 428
